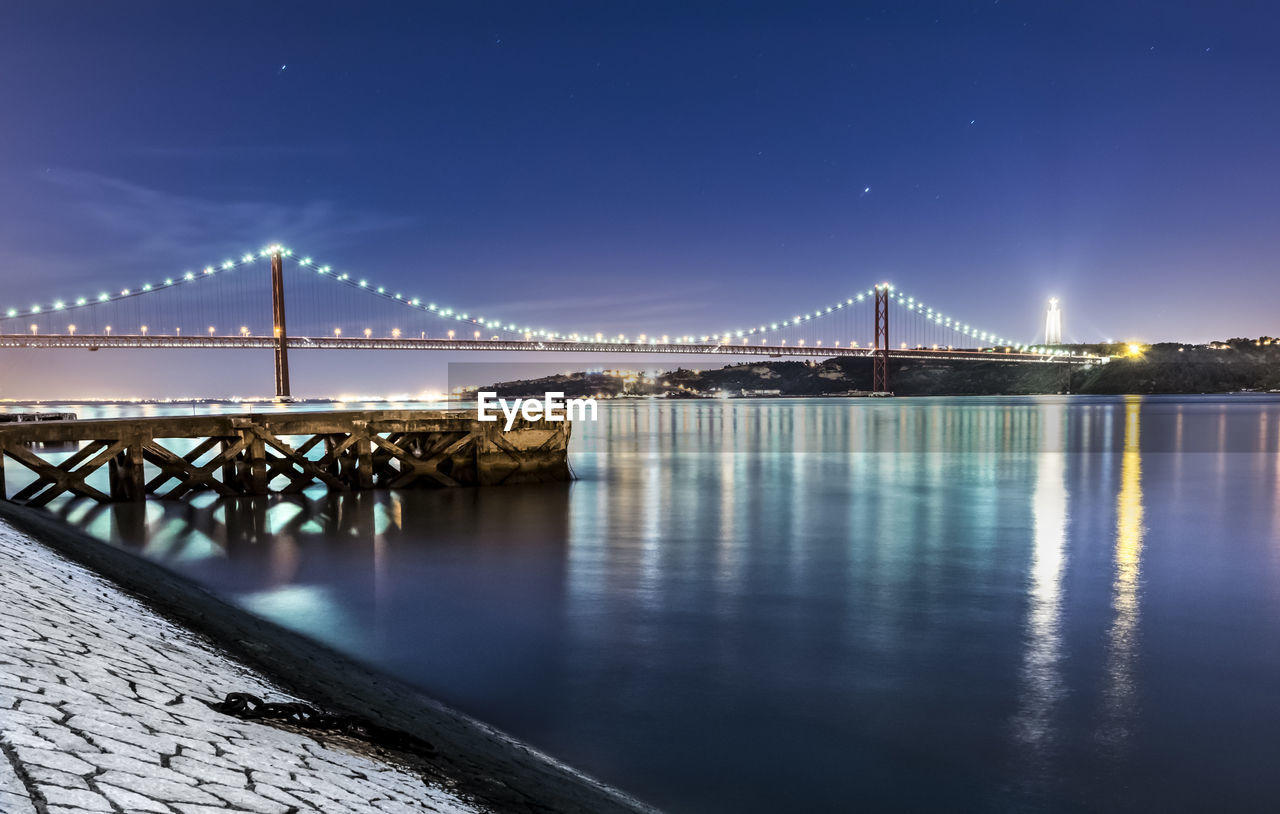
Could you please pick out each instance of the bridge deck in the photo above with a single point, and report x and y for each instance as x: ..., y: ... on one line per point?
x: 136, y: 341
x: 255, y: 454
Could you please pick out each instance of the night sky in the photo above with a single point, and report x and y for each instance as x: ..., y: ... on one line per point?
x: 649, y: 165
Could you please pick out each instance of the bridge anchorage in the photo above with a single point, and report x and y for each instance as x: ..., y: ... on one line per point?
x: 220, y: 306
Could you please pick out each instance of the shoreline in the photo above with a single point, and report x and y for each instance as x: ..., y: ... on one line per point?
x: 482, y: 764
x: 105, y: 711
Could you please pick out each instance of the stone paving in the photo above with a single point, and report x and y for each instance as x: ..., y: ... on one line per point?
x: 101, y: 710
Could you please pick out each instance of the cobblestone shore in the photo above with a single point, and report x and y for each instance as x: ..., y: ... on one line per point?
x: 102, y: 710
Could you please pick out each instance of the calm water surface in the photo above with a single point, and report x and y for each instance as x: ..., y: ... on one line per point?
x: 1057, y: 604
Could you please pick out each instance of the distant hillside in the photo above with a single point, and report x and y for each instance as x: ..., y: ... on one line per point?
x: 1163, y: 368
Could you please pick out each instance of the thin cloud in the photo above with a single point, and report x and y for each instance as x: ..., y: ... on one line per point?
x: 66, y: 228
x: 149, y: 220
x: 654, y: 311
x: 240, y: 151
x: 641, y: 306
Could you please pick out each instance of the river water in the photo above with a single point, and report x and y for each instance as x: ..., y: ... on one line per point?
x: 978, y: 604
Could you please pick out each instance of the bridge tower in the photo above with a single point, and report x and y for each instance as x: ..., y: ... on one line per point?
x: 277, y: 320
x: 880, y: 369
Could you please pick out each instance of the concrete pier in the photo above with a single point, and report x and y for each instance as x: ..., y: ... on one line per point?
x: 283, y: 451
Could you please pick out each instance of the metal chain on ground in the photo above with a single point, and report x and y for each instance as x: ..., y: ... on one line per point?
x: 250, y: 707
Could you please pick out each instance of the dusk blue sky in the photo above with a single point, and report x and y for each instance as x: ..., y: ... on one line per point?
x: 658, y: 166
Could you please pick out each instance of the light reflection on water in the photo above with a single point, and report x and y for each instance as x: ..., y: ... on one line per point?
x: 960, y: 604
x: 1122, y: 638
x: 1042, y: 670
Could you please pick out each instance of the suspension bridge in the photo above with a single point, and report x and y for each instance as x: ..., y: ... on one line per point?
x: 228, y: 305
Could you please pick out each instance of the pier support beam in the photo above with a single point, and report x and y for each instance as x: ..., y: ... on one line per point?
x: 256, y: 452
x: 364, y: 459
x: 125, y: 474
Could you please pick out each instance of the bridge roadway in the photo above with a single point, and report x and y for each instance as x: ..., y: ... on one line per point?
x: 145, y: 341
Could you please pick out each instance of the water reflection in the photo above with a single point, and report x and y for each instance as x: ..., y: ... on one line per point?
x: 1122, y: 639
x: 375, y: 573
x: 1042, y: 686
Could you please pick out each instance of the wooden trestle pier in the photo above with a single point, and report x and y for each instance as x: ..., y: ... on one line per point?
x: 285, y: 451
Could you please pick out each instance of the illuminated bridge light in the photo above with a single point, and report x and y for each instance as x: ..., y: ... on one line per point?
x: 927, y: 313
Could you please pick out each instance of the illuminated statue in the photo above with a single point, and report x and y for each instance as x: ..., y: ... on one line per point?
x: 1053, y: 324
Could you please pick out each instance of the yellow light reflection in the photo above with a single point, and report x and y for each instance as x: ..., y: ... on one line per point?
x: 1122, y: 639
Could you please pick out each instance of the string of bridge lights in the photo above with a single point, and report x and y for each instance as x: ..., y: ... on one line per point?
x: 450, y: 314
x: 429, y: 307
x: 230, y: 264
x: 908, y: 302
x: 895, y: 296
x: 126, y: 293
